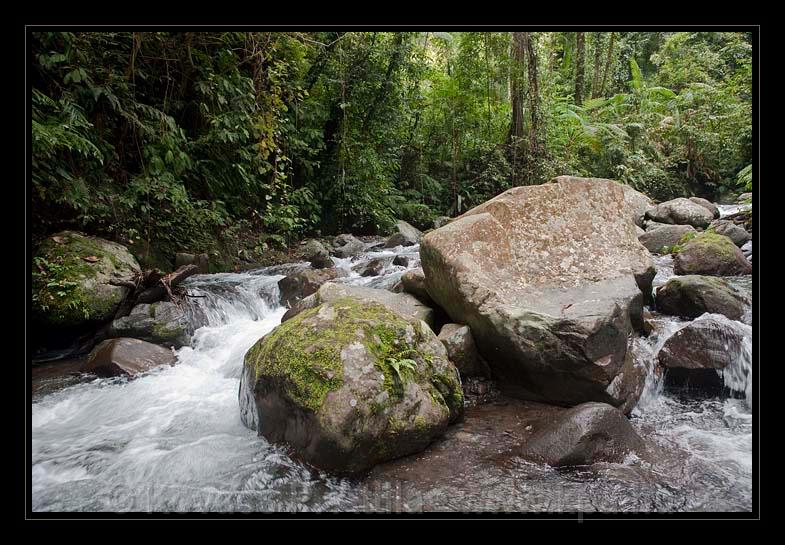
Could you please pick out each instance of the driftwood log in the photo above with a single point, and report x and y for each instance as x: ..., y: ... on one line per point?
x: 153, y: 285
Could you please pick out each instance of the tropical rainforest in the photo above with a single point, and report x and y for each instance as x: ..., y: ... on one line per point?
x: 243, y: 143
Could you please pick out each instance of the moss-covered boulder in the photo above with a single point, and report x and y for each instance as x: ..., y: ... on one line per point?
x: 690, y: 296
x: 74, y: 279
x: 712, y: 254
x: 350, y: 384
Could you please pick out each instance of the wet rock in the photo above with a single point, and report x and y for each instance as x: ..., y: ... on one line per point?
x: 462, y: 350
x: 697, y: 355
x: 708, y: 205
x: 124, y: 356
x: 401, y: 261
x: 663, y: 236
x: 681, y: 211
x: 549, y: 278
x: 402, y: 303
x: 302, y: 284
x: 75, y: 279
x: 711, y: 254
x: 404, y: 235
x: 747, y: 248
x: 347, y: 246
x: 317, y: 254
x: 202, y: 261
x: 413, y: 282
x: 690, y: 296
x: 584, y: 435
x: 441, y: 221
x: 374, y: 267
x: 350, y: 384
x: 736, y: 233
x: 162, y: 323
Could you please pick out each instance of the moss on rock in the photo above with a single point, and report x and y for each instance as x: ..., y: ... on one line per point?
x: 70, y: 280
x: 347, y: 384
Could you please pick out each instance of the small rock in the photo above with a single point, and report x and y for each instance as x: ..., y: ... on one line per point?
x: 297, y: 286
x: 374, y: 267
x: 736, y: 233
x: 405, y: 235
x: 585, y: 434
x: 126, y: 356
x: 317, y: 254
x: 711, y: 254
x: 708, y: 205
x: 691, y: 296
x: 347, y: 246
x: 694, y: 354
x: 401, y: 261
x: 462, y: 351
x: 414, y: 282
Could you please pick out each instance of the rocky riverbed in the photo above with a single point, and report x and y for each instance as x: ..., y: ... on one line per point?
x: 177, y: 438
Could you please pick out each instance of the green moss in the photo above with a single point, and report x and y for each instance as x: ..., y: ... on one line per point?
x: 714, y: 243
x: 161, y: 331
x: 305, y: 353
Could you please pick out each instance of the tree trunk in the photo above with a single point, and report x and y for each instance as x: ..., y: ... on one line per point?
x: 608, y: 60
x: 580, y: 59
x: 536, y: 128
x: 595, y: 83
x: 516, y: 86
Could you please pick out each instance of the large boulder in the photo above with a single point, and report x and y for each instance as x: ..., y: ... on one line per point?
x: 116, y: 357
x: 713, y: 254
x: 663, y: 237
x: 549, y: 278
x: 202, y: 261
x: 402, y: 303
x: 317, y: 254
x: 404, y: 235
x: 347, y: 246
x: 728, y: 228
x: 78, y: 279
x: 583, y: 435
x: 462, y: 351
x: 708, y: 205
x: 350, y: 384
x: 161, y: 323
x: 710, y: 353
x: 299, y: 285
x: 681, y: 211
x: 690, y: 296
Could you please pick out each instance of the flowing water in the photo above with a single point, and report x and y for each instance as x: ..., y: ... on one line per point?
x: 172, y: 440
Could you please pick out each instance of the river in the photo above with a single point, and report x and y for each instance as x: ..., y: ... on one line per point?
x: 172, y: 440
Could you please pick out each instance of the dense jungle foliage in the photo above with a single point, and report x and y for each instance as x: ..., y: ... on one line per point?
x: 194, y: 141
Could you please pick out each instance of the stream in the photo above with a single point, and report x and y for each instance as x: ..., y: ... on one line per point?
x: 172, y: 439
